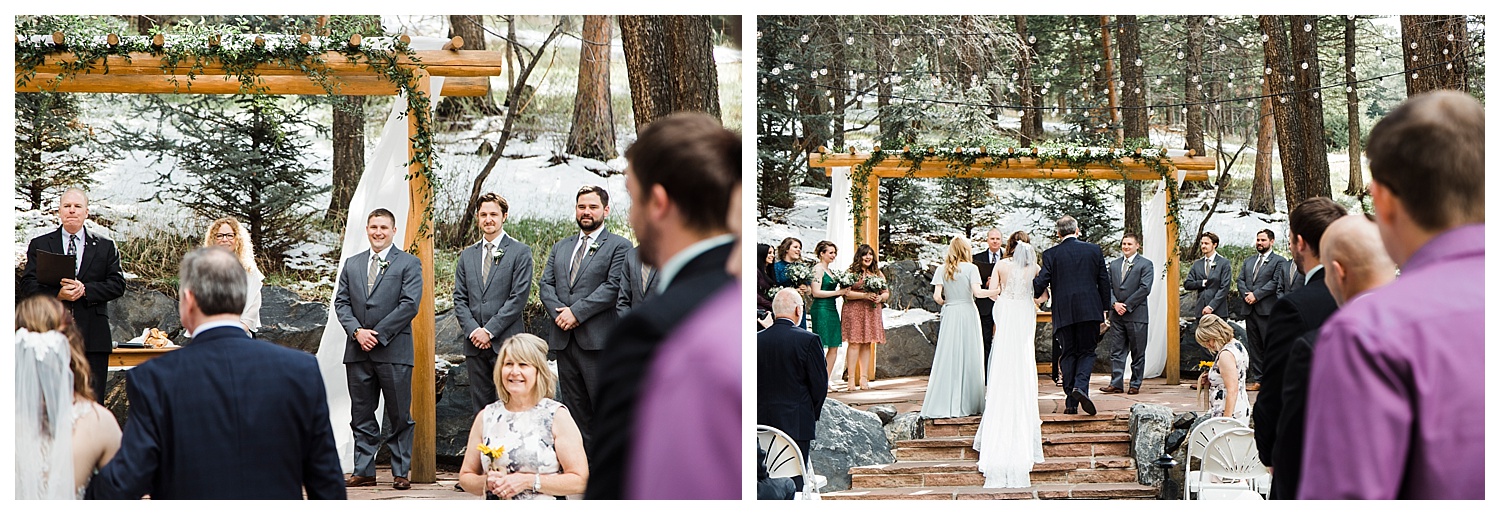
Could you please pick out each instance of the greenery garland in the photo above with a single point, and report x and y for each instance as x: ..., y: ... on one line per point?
x: 196, y: 46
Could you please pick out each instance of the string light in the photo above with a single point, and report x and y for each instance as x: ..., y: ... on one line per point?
x: 849, y: 40
x: 805, y: 38
x: 1307, y: 28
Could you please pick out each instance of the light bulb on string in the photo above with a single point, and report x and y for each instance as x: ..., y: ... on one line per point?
x: 823, y: 71
x: 1138, y: 90
x: 940, y: 42
x: 1139, y: 62
x: 1055, y: 71
x: 814, y: 75
x: 795, y: 87
x: 849, y: 40
x: 1450, y: 37
x: 1445, y: 51
x: 896, y: 41
x: 1450, y: 66
x: 1166, y: 26
x: 1348, y: 89
x: 1230, y: 85
x: 1414, y: 75
x: 986, y: 40
x: 1193, y: 79
x: 1015, y: 76
x: 1317, y: 94
x: 1291, y: 78
x: 1231, y: 75
x: 1200, y: 87
x: 757, y: 34
x: 1264, y: 38
x: 1044, y: 90
x: 1184, y: 109
x: 1307, y: 28
x: 896, y: 79
x: 1268, y: 70
x: 1223, y: 47
x: 1414, y: 45
x: 1032, y: 39
x: 1304, y: 65
x: 1180, y: 55
x: 775, y: 71
x: 1210, y: 21
x: 805, y: 38
x: 1250, y: 104
x: 1096, y: 67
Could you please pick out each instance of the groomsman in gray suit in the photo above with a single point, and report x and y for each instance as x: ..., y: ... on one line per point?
x: 640, y: 282
x: 490, y: 288
x: 1261, y: 281
x: 1209, y: 276
x: 580, y: 289
x: 1132, y: 277
x: 377, y: 297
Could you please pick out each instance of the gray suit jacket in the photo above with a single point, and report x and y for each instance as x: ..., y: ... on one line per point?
x: 1267, y: 284
x: 388, y: 310
x: 592, y: 296
x: 1212, y: 285
x: 1133, y: 291
x: 636, y: 289
x: 496, y: 304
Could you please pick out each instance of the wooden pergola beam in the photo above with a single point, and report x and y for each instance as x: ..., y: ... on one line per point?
x: 221, y: 85
x: 438, y: 63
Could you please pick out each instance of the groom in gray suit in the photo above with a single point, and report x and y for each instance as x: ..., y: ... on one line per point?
x: 1131, y: 277
x: 490, y: 288
x: 580, y: 288
x: 375, y: 302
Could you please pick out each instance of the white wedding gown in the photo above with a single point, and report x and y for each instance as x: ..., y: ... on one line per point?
x: 1009, y: 439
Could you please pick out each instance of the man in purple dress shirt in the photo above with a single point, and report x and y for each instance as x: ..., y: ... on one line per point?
x: 1396, y: 402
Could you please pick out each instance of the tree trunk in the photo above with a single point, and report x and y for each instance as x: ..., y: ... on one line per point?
x: 1433, y: 68
x: 1356, y: 175
x: 694, y: 73
x: 648, y: 65
x: 593, y: 131
x: 348, y: 156
x: 1262, y: 192
x: 471, y: 28
x: 1024, y: 86
x: 1132, y: 112
x: 1191, y: 84
x: 1308, y: 101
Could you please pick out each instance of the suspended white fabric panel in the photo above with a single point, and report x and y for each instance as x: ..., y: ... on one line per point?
x: 1155, y: 249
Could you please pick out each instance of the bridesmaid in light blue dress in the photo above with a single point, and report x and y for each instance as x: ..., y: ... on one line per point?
x: 955, y: 388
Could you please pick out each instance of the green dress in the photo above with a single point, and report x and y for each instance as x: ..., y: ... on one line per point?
x: 825, y: 315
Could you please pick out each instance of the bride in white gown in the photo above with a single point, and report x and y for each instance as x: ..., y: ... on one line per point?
x: 1009, y: 440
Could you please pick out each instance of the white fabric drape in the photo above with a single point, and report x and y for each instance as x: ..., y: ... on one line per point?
x: 841, y: 233
x: 1155, y: 249
x: 382, y: 185
x: 44, y: 416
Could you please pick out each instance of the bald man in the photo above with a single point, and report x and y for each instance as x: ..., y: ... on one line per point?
x: 1354, y: 262
x: 791, y: 379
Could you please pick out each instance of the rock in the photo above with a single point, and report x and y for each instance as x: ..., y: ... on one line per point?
x: 288, y: 320
x: 847, y: 437
x: 139, y: 310
x: 911, y: 286
x: 1175, y: 439
x: 886, y: 412
x: 1185, y: 420
x: 449, y: 334
x: 1149, y: 425
x: 455, y: 412
x: 1190, y: 354
x: 906, y: 426
x: 1044, y: 349
x: 910, y: 341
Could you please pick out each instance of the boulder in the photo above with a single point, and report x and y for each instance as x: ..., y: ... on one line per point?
x: 449, y: 334
x: 288, y: 320
x: 1149, y: 427
x: 886, y: 412
x: 1185, y: 420
x: 1044, y: 348
x: 911, y: 286
x: 845, y: 438
x: 1190, y: 354
x: 138, y: 310
x: 910, y: 342
x: 455, y: 412
x: 906, y: 426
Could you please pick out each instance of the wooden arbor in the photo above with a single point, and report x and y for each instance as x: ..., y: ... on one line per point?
x: 868, y: 223
x: 466, y: 72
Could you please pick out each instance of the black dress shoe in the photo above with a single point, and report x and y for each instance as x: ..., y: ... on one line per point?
x: 1083, y: 401
x: 1070, y: 411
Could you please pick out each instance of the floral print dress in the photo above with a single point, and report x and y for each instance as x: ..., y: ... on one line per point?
x: 527, y: 439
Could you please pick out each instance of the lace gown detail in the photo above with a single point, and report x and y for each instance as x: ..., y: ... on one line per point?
x: 1009, y: 439
x: 527, y: 438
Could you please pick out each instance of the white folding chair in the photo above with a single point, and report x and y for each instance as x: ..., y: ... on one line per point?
x: 1232, y: 458
x: 1197, y: 442
x: 784, y: 459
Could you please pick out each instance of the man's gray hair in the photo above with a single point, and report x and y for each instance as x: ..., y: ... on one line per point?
x: 74, y: 189
x: 786, y: 303
x: 217, y: 280
x: 1066, y: 226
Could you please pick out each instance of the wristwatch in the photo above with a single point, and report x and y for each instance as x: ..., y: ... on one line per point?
x: 536, y: 484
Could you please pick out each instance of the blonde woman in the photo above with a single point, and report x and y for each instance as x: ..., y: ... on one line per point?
x: 535, y: 451
x: 1221, y: 389
x: 955, y: 388
x: 229, y: 233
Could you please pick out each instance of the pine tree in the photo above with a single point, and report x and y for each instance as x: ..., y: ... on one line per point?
x: 54, y: 150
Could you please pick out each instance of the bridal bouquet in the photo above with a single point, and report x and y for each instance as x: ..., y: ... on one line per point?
x: 845, y: 279
x: 799, y: 273
x: 875, y: 284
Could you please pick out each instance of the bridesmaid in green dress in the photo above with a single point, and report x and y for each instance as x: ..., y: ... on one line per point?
x: 825, y: 311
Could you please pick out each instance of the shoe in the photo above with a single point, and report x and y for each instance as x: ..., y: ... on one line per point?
x: 1083, y: 401
x: 1254, y: 387
x: 401, y: 483
x: 1057, y: 382
x: 1070, y: 411
x: 1110, y: 389
x: 1133, y: 390
x: 358, y: 481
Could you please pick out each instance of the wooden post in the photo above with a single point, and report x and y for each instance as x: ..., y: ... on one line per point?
x: 424, y: 326
x: 1173, y: 370
x: 870, y: 233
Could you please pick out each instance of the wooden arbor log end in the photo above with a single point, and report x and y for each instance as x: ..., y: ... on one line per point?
x: 457, y: 43
x: 112, y: 39
x: 404, y: 39
x: 260, y: 41
x: 58, y: 38
x: 305, y: 38
x: 158, y: 40
x: 213, y: 40
x: 355, y: 39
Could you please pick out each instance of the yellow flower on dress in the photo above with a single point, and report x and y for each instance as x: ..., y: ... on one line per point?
x: 1205, y: 364
x: 494, y: 454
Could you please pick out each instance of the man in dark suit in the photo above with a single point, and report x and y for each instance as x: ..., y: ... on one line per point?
x: 226, y: 416
x: 790, y: 379
x: 1293, y: 315
x: 993, y: 253
x: 1080, y: 295
x: 98, y: 280
x: 490, y: 287
x: 377, y: 298
x: 640, y: 282
x: 1354, y: 262
x: 1209, y: 276
x: 1130, y: 279
x: 682, y: 171
x: 580, y: 289
x: 1261, y: 282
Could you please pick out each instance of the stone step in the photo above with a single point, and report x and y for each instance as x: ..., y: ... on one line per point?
x: 1037, y: 491
x: 1051, y: 423
x: 964, y: 472
x: 1058, y: 445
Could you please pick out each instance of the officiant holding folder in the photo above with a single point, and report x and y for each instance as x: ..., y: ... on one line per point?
x: 95, y: 279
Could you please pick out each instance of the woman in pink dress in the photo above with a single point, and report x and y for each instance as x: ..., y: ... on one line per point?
x: 863, y: 326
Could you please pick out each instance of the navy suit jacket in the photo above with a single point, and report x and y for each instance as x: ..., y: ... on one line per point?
x: 1080, y: 284
x: 225, y: 417
x: 102, y: 282
x: 792, y: 379
x: 1294, y: 314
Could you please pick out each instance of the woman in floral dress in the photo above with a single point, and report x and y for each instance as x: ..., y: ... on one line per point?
x: 863, y: 326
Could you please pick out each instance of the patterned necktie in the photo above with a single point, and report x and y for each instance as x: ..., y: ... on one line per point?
x: 1125, y: 272
x: 484, y: 263
x: 73, y: 251
x: 374, y: 271
x: 645, y: 278
x: 1256, y: 273
x: 583, y: 247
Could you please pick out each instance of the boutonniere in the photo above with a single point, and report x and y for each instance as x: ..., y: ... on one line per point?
x: 496, y: 254
x: 594, y: 247
x: 383, y: 263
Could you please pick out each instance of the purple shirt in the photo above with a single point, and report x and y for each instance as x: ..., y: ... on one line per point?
x: 1395, y: 407
x: 689, y: 431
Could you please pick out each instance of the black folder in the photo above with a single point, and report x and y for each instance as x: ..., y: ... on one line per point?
x: 51, y: 268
